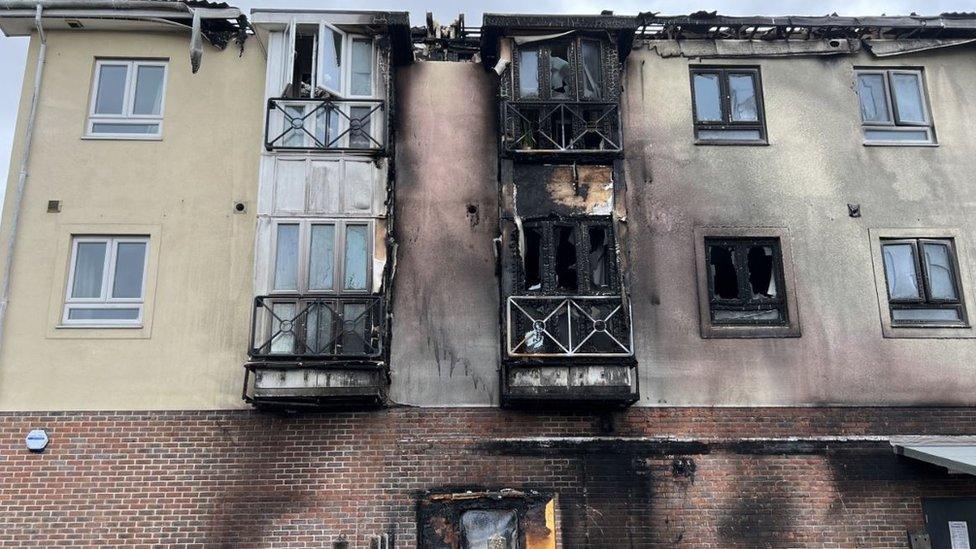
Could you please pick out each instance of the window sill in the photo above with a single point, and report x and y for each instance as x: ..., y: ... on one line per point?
x: 99, y: 326
x: 733, y: 143
x: 897, y: 144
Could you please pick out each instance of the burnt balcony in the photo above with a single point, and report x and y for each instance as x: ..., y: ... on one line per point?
x: 316, y: 351
x: 561, y: 128
x: 325, y: 125
x: 569, y: 348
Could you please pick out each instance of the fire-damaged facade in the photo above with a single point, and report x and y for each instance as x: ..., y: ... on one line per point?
x: 528, y: 282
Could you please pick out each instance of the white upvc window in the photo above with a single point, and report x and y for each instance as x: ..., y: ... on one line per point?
x: 894, y: 107
x: 317, y: 256
x: 341, y: 63
x: 127, y: 99
x: 106, y: 281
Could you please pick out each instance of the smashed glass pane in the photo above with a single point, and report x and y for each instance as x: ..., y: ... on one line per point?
x: 566, y: 270
x: 725, y: 280
x: 899, y: 263
x: 560, y: 72
x: 533, y: 258
x: 592, y: 73
x: 489, y: 529
x: 528, y: 74
x: 761, y: 278
x: 939, y: 269
x: 742, y: 91
x: 599, y: 257
x: 708, y: 103
x: 874, y: 102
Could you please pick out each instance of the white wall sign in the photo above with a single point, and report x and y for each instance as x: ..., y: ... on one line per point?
x: 37, y: 440
x: 958, y: 534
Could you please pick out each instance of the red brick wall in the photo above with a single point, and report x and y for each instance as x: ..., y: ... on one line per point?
x: 246, y: 478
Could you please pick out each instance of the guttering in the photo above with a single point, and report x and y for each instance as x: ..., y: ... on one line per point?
x: 22, y: 179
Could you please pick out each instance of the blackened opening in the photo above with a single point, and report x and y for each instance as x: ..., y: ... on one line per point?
x: 566, y: 270
x: 725, y: 281
x: 533, y: 258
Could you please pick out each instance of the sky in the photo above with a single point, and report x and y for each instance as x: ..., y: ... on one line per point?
x: 13, y: 51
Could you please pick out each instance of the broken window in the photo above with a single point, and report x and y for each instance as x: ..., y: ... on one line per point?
x: 923, y: 282
x: 317, y: 256
x: 569, y: 257
x: 325, y: 60
x: 489, y: 529
x: 561, y: 69
x: 303, y: 67
x: 894, y: 109
x: 727, y: 105
x: 745, y: 281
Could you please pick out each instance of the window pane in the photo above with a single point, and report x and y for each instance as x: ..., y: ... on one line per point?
x: 286, y: 258
x: 742, y: 91
x: 938, y: 266
x: 149, y: 90
x: 130, y: 260
x: 708, y: 103
x: 89, y: 265
x: 357, y: 254
x: 322, y: 260
x: 560, y: 72
x: 103, y: 314
x: 295, y: 125
x: 599, y: 257
x: 318, y: 327
x: 330, y: 65
x: 874, y: 104
x: 528, y: 74
x: 490, y: 529
x: 564, y: 237
x: 725, y: 279
x: 360, y: 128
x: 132, y: 129
x: 110, y: 96
x: 926, y: 315
x: 353, y: 338
x: 899, y: 262
x: 283, y: 328
x: 908, y: 97
x: 729, y: 135
x: 879, y: 134
x: 761, y: 272
x: 362, y: 67
x: 592, y: 74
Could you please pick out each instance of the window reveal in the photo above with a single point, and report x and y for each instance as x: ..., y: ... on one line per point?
x: 727, y: 105
x: 745, y: 281
x: 923, y: 282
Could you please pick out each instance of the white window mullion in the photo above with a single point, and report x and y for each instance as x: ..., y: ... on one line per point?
x: 108, y: 275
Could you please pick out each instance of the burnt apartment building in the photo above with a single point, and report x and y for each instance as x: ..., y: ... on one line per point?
x: 347, y: 278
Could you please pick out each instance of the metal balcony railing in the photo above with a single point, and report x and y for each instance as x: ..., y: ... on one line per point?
x: 560, y: 127
x: 317, y: 328
x: 569, y: 326
x: 303, y: 124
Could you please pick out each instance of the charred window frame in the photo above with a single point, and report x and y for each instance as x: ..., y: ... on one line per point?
x: 715, y: 117
x: 914, y: 270
x: 746, y: 283
x: 569, y: 257
x: 578, y: 64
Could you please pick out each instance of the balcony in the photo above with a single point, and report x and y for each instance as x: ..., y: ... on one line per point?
x: 561, y: 128
x: 325, y: 125
x: 576, y: 349
x: 316, y: 351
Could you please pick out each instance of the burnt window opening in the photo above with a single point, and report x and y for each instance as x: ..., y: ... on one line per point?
x: 489, y: 529
x: 922, y: 278
x: 561, y: 70
x: 568, y: 257
x: 727, y: 105
x: 745, y: 281
x: 303, y: 68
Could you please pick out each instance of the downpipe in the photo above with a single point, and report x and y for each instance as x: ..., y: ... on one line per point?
x: 22, y: 179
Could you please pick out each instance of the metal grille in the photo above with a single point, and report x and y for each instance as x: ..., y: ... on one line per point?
x: 324, y: 124
x: 561, y: 126
x: 561, y: 326
x: 303, y: 327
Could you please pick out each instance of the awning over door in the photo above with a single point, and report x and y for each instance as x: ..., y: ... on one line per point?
x: 957, y: 454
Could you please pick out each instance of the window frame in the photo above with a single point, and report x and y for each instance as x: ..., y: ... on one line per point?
x: 128, y: 99
x: 789, y: 327
x: 304, y: 258
x: 962, y: 273
x: 727, y: 124
x: 925, y: 300
x: 740, y: 245
x: 105, y: 301
x: 895, y: 124
x: 543, y: 49
x: 581, y: 227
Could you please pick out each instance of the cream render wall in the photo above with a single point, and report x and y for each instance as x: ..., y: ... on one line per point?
x: 180, y: 190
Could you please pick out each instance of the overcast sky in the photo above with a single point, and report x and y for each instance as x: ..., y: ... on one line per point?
x: 13, y: 50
